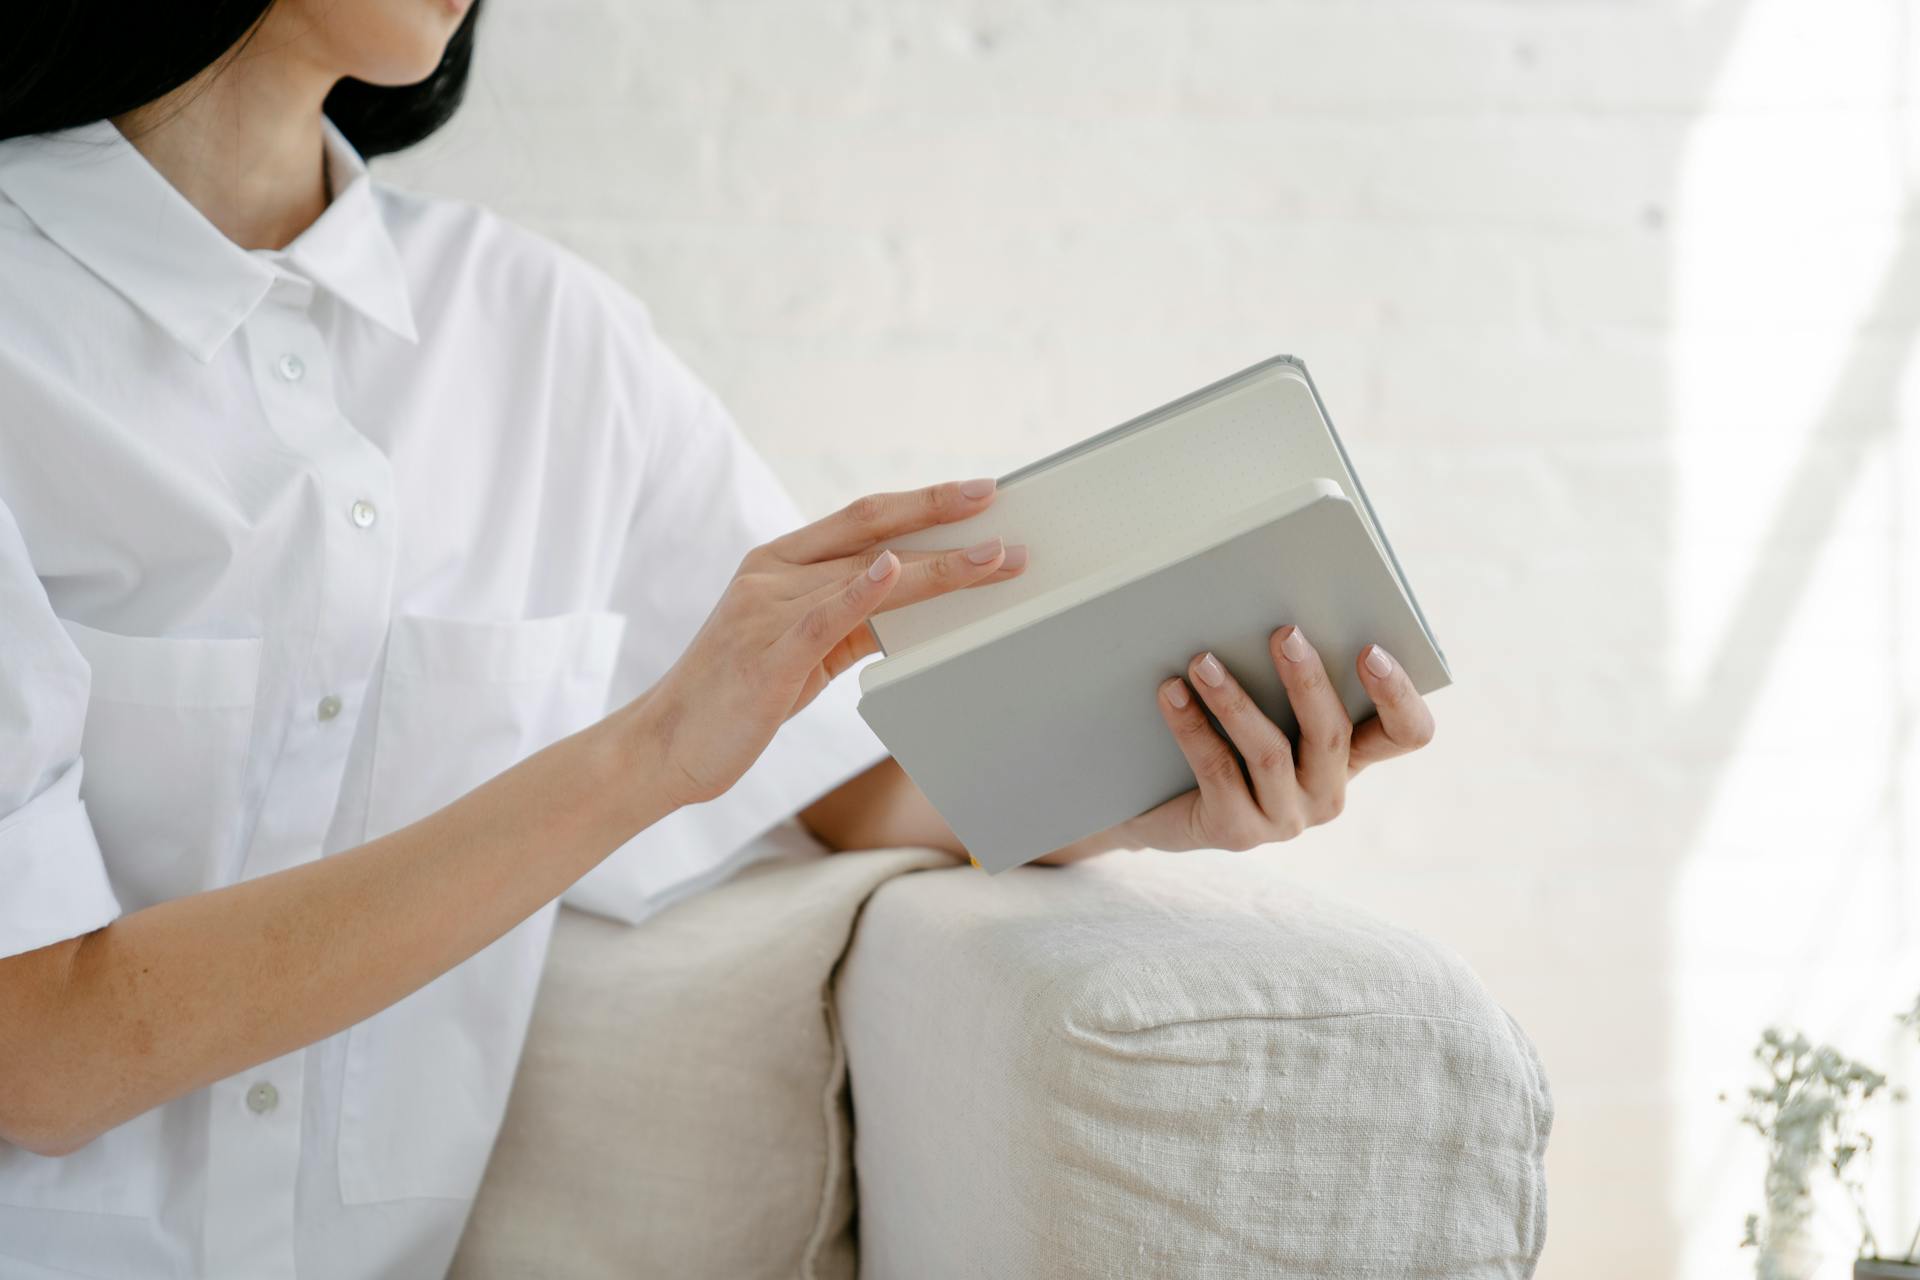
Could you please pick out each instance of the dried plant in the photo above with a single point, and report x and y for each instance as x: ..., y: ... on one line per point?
x: 1807, y: 1112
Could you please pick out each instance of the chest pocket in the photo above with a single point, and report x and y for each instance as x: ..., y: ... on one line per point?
x: 168, y: 725
x: 164, y: 756
x: 427, y: 1079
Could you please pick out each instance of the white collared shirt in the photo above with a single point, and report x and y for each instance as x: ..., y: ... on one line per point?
x: 294, y: 549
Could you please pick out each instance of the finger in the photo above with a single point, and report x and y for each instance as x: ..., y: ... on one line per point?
x: 833, y: 572
x: 1226, y: 814
x: 1011, y: 566
x: 879, y: 516
x: 1268, y: 754
x: 828, y: 621
x: 936, y: 575
x: 924, y: 576
x: 1403, y: 722
x: 1326, y: 732
x: 853, y: 646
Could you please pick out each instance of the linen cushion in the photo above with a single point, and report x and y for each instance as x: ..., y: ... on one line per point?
x: 679, y: 1106
x: 1161, y: 1066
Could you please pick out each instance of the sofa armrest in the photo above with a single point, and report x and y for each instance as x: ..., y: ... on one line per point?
x: 1158, y: 1066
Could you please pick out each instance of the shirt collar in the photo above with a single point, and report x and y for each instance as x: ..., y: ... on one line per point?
x: 91, y: 192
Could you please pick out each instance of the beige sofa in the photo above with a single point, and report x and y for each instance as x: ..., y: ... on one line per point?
x: 1145, y: 1065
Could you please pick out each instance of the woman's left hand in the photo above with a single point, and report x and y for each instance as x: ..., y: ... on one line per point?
x: 1281, y: 791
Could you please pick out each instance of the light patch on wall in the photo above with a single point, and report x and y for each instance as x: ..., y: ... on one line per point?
x: 1790, y: 604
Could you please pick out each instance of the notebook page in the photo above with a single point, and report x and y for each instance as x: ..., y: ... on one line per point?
x: 1222, y: 526
x: 1155, y: 486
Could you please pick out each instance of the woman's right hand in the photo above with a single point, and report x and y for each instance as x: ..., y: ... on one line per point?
x: 255, y: 970
x: 794, y: 617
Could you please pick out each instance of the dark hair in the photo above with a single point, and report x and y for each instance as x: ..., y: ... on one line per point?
x: 69, y: 62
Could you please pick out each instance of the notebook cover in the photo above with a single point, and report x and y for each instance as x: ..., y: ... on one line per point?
x: 1052, y: 732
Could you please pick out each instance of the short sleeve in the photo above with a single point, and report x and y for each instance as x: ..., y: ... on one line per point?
x: 707, y: 498
x: 53, y: 882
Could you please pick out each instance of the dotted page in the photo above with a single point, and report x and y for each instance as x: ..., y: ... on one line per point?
x: 1153, y: 485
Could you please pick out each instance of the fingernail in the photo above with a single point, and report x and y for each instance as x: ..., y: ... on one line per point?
x: 1378, y: 662
x: 976, y: 488
x: 1176, y: 691
x: 882, y: 565
x: 1294, y: 646
x: 981, y: 552
x: 1210, y: 670
x: 1016, y: 556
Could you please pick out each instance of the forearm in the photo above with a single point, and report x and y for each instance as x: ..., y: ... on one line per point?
x: 882, y: 808
x: 178, y: 995
x: 1120, y: 837
x: 165, y: 1000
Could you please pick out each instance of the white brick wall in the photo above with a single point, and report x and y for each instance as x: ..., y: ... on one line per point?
x: 1615, y: 304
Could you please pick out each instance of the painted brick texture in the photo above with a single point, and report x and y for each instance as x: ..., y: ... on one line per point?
x: 1614, y: 303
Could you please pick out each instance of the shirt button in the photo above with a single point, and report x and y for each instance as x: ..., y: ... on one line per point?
x: 329, y: 707
x: 363, y: 514
x: 292, y: 367
x: 262, y: 1098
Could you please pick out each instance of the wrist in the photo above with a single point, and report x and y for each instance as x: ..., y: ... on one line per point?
x: 632, y: 760
x: 1119, y: 836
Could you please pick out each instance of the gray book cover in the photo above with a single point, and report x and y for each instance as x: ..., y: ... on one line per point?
x: 1026, y: 711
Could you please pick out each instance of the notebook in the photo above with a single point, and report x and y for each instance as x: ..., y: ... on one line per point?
x: 1026, y: 710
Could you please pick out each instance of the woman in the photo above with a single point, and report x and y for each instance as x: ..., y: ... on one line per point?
x: 332, y: 521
